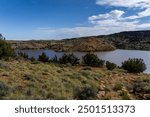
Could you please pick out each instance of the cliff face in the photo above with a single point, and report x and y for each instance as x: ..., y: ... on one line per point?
x: 136, y: 40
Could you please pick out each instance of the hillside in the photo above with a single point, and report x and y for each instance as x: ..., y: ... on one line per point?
x: 135, y: 40
x: 21, y: 79
x: 78, y: 44
x: 85, y: 44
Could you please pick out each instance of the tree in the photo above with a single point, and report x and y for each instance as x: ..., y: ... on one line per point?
x: 110, y: 66
x: 92, y: 60
x: 69, y: 58
x: 43, y: 57
x: 134, y: 65
x: 5, y: 49
x: 1, y: 37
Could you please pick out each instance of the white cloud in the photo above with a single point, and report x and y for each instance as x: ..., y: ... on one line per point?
x: 107, y: 23
x: 142, y: 4
x: 125, y: 3
x: 102, y: 27
x: 144, y: 13
x: 112, y: 14
x: 139, y: 15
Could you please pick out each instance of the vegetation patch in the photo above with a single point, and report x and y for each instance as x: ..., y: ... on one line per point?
x: 43, y: 58
x: 68, y: 58
x: 110, y: 66
x: 3, y: 89
x: 23, y: 55
x: 85, y: 93
x: 118, y: 86
x: 134, y: 65
x: 125, y: 95
x: 142, y: 86
x: 5, y: 50
x: 28, y: 77
x: 91, y: 59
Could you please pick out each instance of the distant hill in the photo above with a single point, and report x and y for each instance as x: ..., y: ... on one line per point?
x: 135, y: 40
x: 84, y: 44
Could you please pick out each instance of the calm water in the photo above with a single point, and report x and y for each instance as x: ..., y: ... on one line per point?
x: 117, y: 56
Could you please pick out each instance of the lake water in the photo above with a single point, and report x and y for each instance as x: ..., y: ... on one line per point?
x: 117, y: 56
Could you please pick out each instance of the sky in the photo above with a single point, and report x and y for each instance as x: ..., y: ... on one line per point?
x: 59, y: 19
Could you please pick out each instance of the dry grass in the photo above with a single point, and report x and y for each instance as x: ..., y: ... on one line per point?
x: 45, y: 81
x: 51, y: 81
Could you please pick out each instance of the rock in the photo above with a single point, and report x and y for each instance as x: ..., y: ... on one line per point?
x: 107, y: 89
x: 102, y: 87
x: 102, y: 82
x: 101, y: 94
x: 124, y: 89
x: 147, y: 96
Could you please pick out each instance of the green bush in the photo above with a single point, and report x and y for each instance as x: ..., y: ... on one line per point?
x: 54, y: 59
x: 28, y: 77
x: 1, y: 37
x: 125, y: 95
x: 118, y: 86
x: 24, y: 55
x: 134, y: 65
x: 142, y: 86
x: 3, y: 89
x: 5, y: 50
x: 32, y: 59
x: 87, y: 93
x: 69, y: 58
x: 110, y: 66
x: 43, y: 57
x: 92, y: 60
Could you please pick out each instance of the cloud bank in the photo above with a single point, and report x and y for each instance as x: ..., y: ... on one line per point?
x: 110, y: 22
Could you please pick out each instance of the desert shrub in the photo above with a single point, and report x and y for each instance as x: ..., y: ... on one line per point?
x: 134, y: 65
x: 86, y: 93
x: 118, y: 86
x: 43, y: 57
x: 23, y: 55
x: 92, y: 60
x: 28, y: 92
x: 28, y: 77
x: 110, y: 66
x: 125, y: 95
x: 5, y: 50
x: 54, y: 59
x: 107, y: 98
x: 69, y: 58
x: 3, y: 89
x: 32, y: 59
x: 142, y: 86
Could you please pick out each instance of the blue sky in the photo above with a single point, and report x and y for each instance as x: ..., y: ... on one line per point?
x: 57, y: 19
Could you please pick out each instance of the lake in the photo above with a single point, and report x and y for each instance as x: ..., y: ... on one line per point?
x: 117, y: 56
